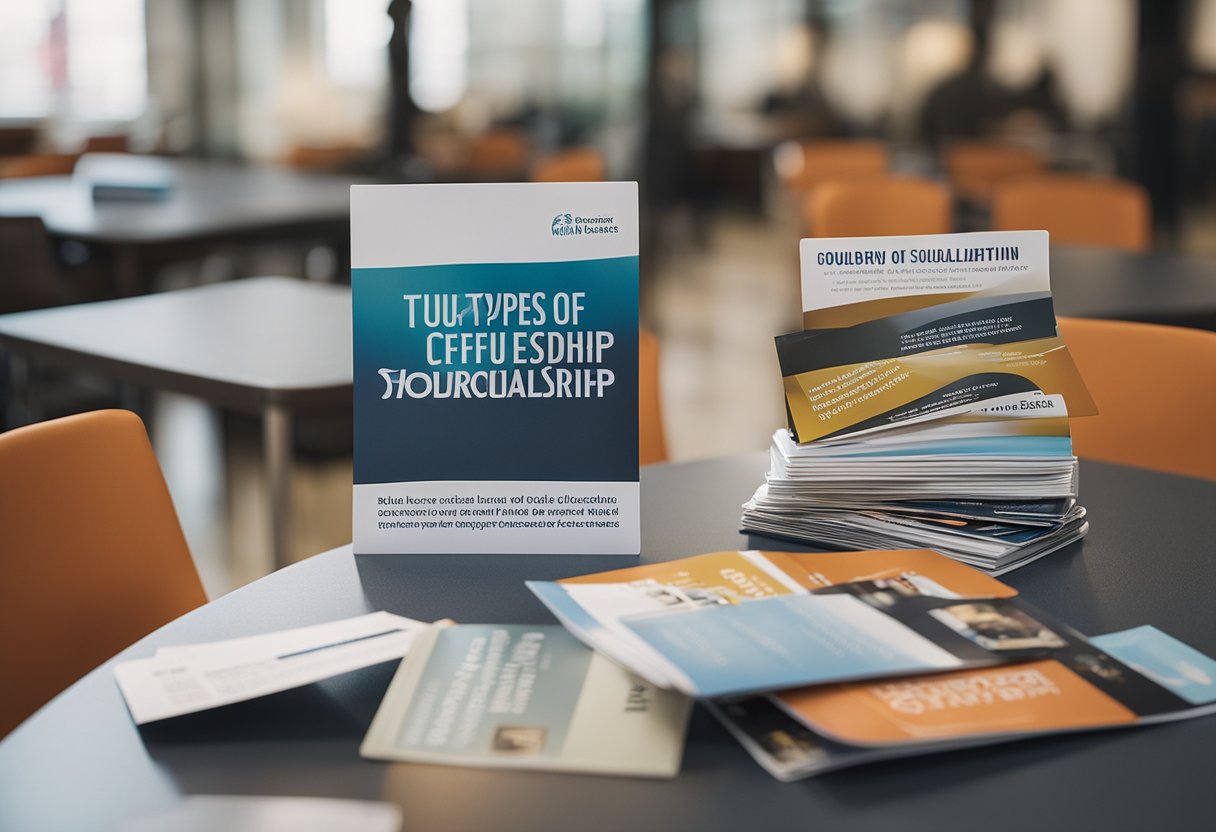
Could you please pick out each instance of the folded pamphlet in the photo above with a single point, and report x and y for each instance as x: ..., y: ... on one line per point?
x: 728, y: 623
x: 511, y: 696
x: 1140, y: 676
x: 902, y: 329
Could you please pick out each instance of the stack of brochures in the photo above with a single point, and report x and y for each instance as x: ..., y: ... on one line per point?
x: 928, y: 406
x: 816, y: 662
x: 993, y: 492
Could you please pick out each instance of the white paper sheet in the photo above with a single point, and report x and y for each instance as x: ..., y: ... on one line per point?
x: 206, y: 813
x: 192, y: 678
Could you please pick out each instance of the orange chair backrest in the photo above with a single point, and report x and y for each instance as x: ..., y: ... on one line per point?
x: 500, y: 152
x: 975, y: 168
x: 322, y: 158
x: 1155, y: 387
x: 91, y: 554
x: 877, y: 207
x: 37, y: 164
x: 578, y: 164
x: 821, y: 161
x: 652, y: 441
x: 1078, y: 210
x: 112, y: 143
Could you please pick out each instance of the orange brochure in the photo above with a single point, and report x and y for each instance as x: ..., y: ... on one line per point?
x: 830, y: 568
x: 1133, y: 677
x: 1034, y: 697
x: 754, y: 574
x: 740, y: 575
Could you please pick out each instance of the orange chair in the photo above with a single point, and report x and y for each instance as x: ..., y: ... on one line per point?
x: 877, y: 207
x: 91, y: 554
x: 501, y: 153
x: 1155, y: 394
x: 111, y: 143
x: 322, y: 158
x: 652, y: 443
x: 578, y: 164
x: 805, y: 165
x: 1081, y: 210
x: 37, y: 164
x: 975, y: 168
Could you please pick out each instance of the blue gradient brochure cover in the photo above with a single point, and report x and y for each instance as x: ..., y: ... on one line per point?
x: 495, y: 368
x: 709, y: 644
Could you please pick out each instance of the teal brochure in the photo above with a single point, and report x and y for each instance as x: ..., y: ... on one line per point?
x: 495, y: 333
x: 516, y: 696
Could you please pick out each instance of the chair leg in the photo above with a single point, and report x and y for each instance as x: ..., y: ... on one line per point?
x: 277, y: 449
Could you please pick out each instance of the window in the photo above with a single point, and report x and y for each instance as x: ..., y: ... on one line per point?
x: 357, y: 33
x: 439, y: 41
x: 356, y: 36
x: 84, y: 59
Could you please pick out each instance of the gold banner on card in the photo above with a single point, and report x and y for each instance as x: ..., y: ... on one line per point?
x: 837, y: 317
x: 893, y: 390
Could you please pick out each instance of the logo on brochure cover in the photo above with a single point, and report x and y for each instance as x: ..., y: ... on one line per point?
x: 570, y: 225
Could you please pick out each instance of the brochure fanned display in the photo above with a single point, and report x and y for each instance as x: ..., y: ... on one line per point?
x: 1042, y: 676
x: 495, y: 368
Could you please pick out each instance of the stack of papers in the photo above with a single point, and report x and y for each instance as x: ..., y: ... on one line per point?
x: 925, y: 417
x: 992, y: 492
x: 125, y: 176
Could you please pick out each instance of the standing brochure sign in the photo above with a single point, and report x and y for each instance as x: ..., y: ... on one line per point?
x: 496, y: 368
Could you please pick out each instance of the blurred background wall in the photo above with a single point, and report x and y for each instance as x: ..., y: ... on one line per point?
x: 1113, y: 86
x: 710, y: 104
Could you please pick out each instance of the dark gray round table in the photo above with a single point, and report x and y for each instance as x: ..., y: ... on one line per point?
x: 80, y: 763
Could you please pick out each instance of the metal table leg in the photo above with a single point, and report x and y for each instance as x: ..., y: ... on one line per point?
x: 277, y: 448
x: 128, y: 278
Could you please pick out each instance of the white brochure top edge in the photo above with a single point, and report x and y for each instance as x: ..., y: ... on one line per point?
x: 837, y: 271
x: 443, y: 224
